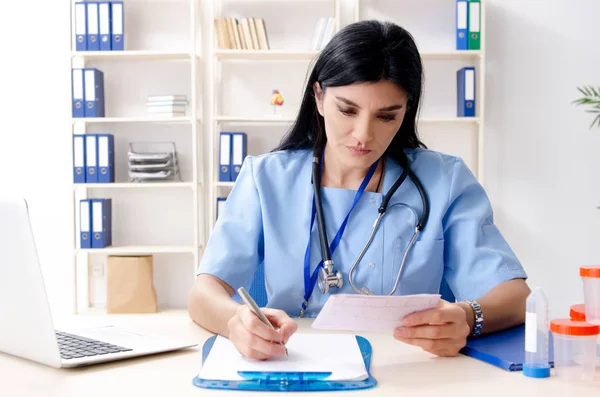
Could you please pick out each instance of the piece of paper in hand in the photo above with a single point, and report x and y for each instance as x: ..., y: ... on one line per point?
x: 368, y: 313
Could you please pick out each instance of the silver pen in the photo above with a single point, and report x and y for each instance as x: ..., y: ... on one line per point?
x: 255, y: 309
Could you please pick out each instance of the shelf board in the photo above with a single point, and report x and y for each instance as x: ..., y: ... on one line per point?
x: 250, y: 119
x: 140, y: 249
x: 224, y: 184
x: 281, y: 55
x: 266, y: 119
x: 450, y: 120
x: 138, y: 185
x: 450, y: 55
x: 141, y: 119
x: 132, y: 55
x: 266, y: 55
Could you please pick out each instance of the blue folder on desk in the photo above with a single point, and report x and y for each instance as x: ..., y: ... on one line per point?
x: 288, y: 381
x: 504, y: 349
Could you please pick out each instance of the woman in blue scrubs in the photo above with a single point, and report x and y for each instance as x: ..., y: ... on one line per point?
x: 358, y: 117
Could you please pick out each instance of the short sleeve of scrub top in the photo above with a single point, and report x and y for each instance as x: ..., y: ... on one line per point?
x: 235, y: 248
x: 476, y: 255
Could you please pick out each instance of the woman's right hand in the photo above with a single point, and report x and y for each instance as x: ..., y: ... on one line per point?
x: 254, y: 339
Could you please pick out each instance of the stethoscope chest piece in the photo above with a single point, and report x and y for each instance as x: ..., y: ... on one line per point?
x: 329, y: 278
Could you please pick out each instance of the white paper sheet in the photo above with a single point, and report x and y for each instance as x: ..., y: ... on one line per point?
x: 335, y: 353
x: 368, y: 313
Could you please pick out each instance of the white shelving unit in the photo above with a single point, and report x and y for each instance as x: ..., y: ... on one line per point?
x: 208, y: 69
x: 135, y: 13
x: 216, y: 119
x: 474, y: 57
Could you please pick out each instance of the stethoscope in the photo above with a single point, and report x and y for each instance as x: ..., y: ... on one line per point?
x: 327, y: 276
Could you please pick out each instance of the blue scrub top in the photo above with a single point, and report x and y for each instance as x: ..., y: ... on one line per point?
x: 266, y: 218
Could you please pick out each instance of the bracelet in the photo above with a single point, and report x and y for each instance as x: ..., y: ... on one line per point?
x: 478, y: 323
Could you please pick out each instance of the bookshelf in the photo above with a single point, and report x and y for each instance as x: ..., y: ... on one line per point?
x: 436, y: 42
x: 173, y: 47
x: 162, y: 55
x: 290, y: 46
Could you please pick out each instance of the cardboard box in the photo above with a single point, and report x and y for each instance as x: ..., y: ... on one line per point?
x: 129, y: 285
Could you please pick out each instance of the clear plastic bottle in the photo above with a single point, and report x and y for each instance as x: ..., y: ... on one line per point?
x: 537, y: 331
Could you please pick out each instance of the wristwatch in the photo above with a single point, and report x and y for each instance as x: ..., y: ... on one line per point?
x: 478, y: 323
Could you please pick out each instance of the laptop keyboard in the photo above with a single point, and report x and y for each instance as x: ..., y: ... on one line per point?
x: 75, y: 346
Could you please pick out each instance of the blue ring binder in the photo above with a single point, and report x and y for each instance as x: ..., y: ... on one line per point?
x: 289, y: 381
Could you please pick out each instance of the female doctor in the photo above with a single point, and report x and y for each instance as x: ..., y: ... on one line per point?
x: 355, y: 140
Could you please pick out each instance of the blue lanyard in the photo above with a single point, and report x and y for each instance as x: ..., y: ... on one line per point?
x: 310, y: 281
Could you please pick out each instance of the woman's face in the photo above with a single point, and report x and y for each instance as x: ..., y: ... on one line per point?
x: 361, y: 120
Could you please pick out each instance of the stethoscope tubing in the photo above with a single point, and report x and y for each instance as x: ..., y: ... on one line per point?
x: 327, y: 261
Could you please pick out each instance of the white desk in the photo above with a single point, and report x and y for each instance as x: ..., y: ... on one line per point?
x: 401, y: 370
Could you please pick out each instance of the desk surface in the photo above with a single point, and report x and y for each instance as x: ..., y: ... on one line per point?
x: 400, y: 369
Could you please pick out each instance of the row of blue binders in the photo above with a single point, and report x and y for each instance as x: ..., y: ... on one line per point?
x: 93, y: 158
x: 95, y: 223
x: 233, y: 147
x: 99, y: 26
x: 465, y: 92
x: 88, y: 92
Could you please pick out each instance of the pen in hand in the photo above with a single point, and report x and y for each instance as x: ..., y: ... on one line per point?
x: 255, y: 309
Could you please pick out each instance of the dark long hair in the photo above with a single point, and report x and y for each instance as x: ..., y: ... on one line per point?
x: 365, y: 51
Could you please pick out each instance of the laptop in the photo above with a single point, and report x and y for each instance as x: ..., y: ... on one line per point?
x: 27, y: 328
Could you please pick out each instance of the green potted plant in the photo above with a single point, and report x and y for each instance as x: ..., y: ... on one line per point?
x: 591, y: 98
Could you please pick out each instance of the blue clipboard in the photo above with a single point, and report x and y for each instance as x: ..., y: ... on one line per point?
x: 289, y: 381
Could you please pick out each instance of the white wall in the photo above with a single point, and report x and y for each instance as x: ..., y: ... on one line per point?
x: 35, y: 156
x: 541, y: 167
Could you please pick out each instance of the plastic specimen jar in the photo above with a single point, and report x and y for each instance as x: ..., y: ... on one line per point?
x: 577, y: 313
x: 574, y: 349
x: 590, y: 276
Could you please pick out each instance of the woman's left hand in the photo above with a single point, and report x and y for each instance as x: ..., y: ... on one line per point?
x: 442, y: 330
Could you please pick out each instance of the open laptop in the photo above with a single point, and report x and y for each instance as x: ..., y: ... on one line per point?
x: 27, y: 329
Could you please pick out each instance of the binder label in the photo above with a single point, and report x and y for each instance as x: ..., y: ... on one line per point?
x: 238, y: 141
x: 469, y: 85
x: 104, y: 21
x: 474, y: 18
x: 84, y: 214
x: 78, y: 156
x: 225, y: 152
x: 103, y: 151
x: 97, y: 216
x: 90, y: 86
x: 93, y: 20
x: 80, y: 28
x: 91, y: 152
x: 78, y: 86
x: 461, y: 15
x: 117, y: 19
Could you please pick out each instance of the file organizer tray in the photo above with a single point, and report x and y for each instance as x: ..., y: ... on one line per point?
x: 289, y: 381
x: 153, y: 161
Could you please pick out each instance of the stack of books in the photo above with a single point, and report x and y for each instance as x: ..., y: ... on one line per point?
x: 167, y: 105
x: 324, y: 31
x: 153, y: 162
x: 247, y: 33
